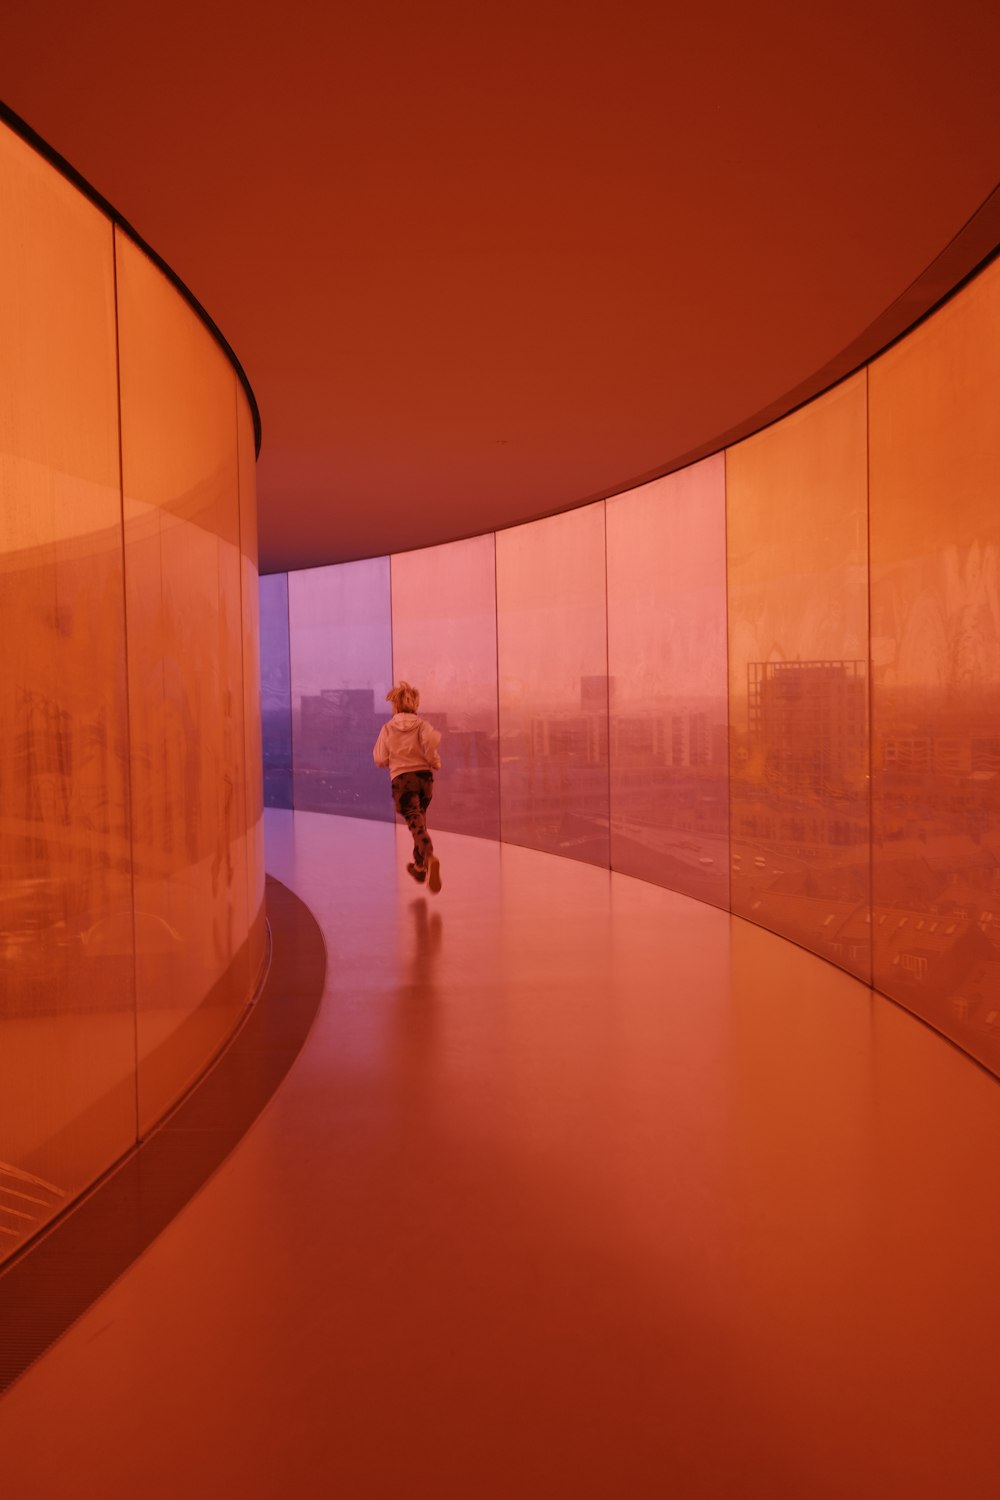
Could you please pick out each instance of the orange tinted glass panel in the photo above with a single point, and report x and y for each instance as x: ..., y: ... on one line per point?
x: 798, y: 620
x: 253, y: 751
x: 667, y: 664
x: 935, y: 529
x: 553, y: 669
x: 340, y: 633
x: 183, y: 593
x: 444, y: 640
x: 67, y: 1021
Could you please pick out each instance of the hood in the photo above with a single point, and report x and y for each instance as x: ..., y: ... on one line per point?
x: 405, y: 721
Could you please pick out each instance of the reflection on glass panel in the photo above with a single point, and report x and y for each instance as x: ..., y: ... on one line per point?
x: 276, y: 690
x: 341, y: 667
x: 667, y: 664
x: 252, y: 748
x: 444, y: 641
x: 798, y: 623
x: 935, y: 529
x: 183, y: 596
x: 553, y: 670
x: 67, y: 1017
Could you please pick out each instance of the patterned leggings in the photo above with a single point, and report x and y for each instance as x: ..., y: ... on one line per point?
x: 411, y: 792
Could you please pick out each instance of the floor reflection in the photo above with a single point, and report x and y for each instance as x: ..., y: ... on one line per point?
x: 608, y: 1194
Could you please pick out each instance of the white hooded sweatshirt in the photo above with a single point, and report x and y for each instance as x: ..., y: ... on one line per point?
x: 407, y: 743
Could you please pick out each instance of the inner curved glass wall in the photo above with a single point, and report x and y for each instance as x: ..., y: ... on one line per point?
x: 131, y: 854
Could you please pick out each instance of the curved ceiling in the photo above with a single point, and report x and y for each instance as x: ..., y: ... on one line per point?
x: 481, y: 263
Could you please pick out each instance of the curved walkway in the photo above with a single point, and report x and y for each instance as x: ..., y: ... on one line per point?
x: 577, y: 1189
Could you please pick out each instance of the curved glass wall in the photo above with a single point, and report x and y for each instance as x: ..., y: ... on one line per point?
x: 131, y: 863
x: 770, y: 680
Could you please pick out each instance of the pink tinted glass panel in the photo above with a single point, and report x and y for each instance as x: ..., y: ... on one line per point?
x: 275, y: 690
x: 444, y: 641
x: 935, y: 530
x: 553, y: 671
x: 67, y: 1016
x: 341, y: 669
x: 798, y: 645
x: 667, y: 666
x: 183, y: 594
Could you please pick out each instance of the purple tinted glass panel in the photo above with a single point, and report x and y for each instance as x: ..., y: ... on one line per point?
x: 553, y: 669
x: 276, y: 690
x: 667, y: 668
x: 341, y: 669
x: 444, y: 640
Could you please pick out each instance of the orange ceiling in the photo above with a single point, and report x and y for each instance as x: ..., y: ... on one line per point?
x: 481, y: 262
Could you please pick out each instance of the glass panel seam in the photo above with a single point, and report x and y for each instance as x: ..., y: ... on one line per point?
x: 607, y: 674
x: 128, y: 685
x: 496, y: 643
x: 871, y: 673
x: 247, y: 851
x: 729, y: 684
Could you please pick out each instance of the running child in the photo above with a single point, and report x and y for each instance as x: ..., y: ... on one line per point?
x: 408, y: 747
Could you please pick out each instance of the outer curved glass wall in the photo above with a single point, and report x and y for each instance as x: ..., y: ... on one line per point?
x: 131, y: 861
x: 770, y: 680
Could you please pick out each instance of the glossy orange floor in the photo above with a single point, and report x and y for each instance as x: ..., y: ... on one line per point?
x: 577, y: 1189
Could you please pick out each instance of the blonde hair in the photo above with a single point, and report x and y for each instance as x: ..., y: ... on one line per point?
x: 404, y: 697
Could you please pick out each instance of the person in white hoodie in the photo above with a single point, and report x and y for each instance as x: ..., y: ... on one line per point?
x: 407, y: 747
